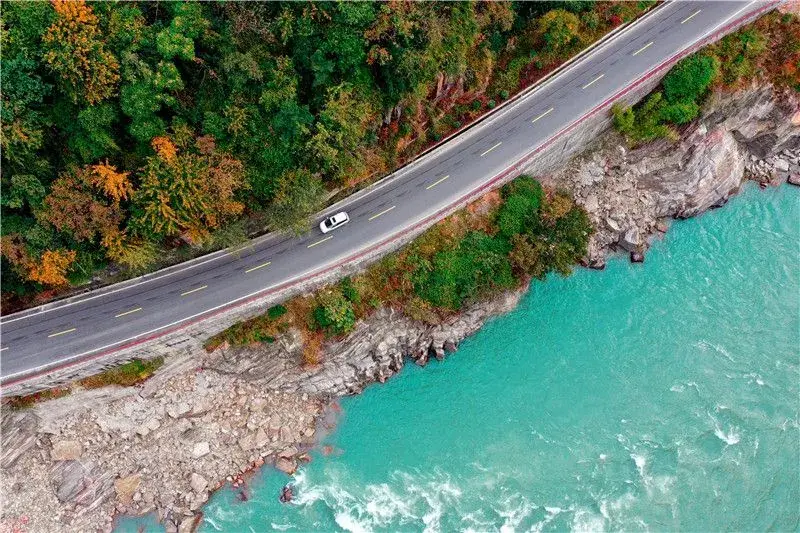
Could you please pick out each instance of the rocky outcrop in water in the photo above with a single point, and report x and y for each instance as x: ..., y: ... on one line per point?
x: 72, y: 463
x: 631, y: 194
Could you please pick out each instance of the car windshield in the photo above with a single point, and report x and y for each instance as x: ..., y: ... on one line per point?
x: 330, y: 222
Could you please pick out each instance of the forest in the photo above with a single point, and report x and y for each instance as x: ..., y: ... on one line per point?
x: 136, y: 134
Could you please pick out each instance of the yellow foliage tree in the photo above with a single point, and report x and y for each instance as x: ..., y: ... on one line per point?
x: 77, y: 54
x: 136, y: 254
x: 52, y: 268
x: 114, y: 184
x: 188, y: 191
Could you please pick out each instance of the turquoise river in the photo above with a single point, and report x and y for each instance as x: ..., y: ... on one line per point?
x: 660, y: 396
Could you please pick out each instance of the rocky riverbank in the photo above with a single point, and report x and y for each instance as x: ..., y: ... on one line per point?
x: 630, y: 195
x: 203, y: 419
x: 75, y: 462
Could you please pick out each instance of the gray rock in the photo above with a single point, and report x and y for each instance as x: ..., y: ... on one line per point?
x: 286, y: 466
x: 66, y: 450
x: 71, y: 481
x: 288, y: 453
x: 631, y: 240
x: 782, y: 165
x: 200, y: 449
x: 247, y: 442
x: 794, y: 179
x: 186, y: 525
x: 198, y: 483
x: 126, y: 487
x: 262, y: 439
x: 178, y: 410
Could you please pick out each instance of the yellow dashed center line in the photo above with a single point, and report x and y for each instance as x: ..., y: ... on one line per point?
x: 492, y: 148
x: 373, y: 217
x: 268, y: 263
x: 128, y: 312
x: 643, y: 48
x: 320, y: 241
x: 542, y: 115
x: 598, y: 78
x: 690, y: 17
x: 61, y: 333
x: 194, y: 290
x: 435, y: 183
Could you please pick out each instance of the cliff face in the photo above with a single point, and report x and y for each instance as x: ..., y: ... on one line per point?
x: 630, y: 193
x: 72, y: 462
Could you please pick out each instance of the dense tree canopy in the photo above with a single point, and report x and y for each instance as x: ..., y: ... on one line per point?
x: 130, y: 127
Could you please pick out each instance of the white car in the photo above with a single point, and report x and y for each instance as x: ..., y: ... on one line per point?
x: 333, y: 222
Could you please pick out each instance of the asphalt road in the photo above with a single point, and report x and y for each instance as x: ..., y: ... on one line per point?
x: 96, y: 323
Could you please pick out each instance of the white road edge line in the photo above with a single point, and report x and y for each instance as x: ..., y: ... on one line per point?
x: 290, y: 281
x: 492, y: 148
x: 6, y: 348
x: 373, y: 217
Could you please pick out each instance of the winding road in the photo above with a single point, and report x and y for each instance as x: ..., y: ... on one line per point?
x: 40, y: 339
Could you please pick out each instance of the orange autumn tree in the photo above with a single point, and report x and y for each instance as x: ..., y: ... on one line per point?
x: 73, y: 207
x: 115, y: 185
x: 50, y: 269
x: 76, y: 52
x: 85, y: 204
x: 187, y: 190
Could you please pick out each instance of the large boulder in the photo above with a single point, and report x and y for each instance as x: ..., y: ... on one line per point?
x: 200, y: 449
x: 198, y: 483
x: 126, y: 487
x: 71, y: 482
x: 285, y: 465
x: 66, y: 450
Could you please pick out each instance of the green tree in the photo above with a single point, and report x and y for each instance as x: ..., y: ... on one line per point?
x: 144, y: 93
x: 522, y: 199
x: 477, y: 266
x: 559, y: 30
x: 690, y: 78
x: 334, y: 314
x: 340, y: 130
x: 25, y: 190
x: 177, y: 39
x: 299, y: 195
x: 91, y: 136
x: 190, y: 191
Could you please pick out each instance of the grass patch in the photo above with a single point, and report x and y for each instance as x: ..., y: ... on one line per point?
x: 127, y: 374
